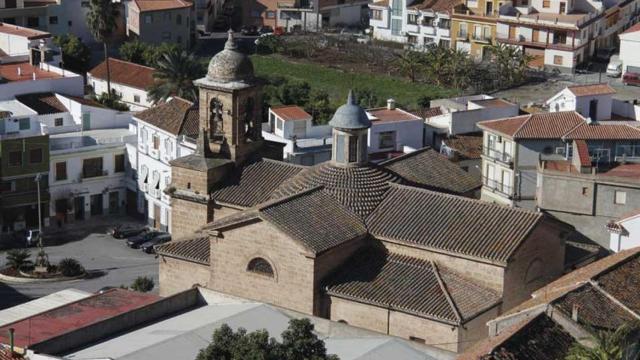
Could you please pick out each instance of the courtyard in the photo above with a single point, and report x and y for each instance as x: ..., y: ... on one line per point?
x: 108, y: 261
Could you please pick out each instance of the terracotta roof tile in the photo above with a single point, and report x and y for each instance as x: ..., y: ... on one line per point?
x: 30, y: 34
x: 603, y: 131
x: 622, y: 283
x: 595, y: 310
x: 431, y: 112
x: 411, y: 285
x: 535, y: 126
x: 583, y: 153
x: 288, y: 113
x: 451, y: 224
x: 125, y: 73
x: 195, y: 249
x: 436, y: 5
x: 634, y: 28
x: 391, y: 115
x: 156, y: 5
x: 177, y: 116
x: 427, y: 168
x: 254, y: 183
x: 43, y: 103
x: 468, y: 146
x: 591, y: 89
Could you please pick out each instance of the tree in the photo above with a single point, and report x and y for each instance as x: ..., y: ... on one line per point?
x: 409, y: 63
x: 298, y: 343
x: 366, y: 97
x: 510, y: 63
x: 134, y: 51
x: 143, y: 284
x: 76, y: 56
x: 18, y: 258
x: 319, y: 106
x: 294, y: 93
x: 174, y: 76
x: 101, y: 20
x: 155, y: 53
x: 621, y: 344
x: 112, y: 102
x: 70, y: 267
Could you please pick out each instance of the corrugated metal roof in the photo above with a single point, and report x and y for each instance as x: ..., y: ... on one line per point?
x: 42, y: 304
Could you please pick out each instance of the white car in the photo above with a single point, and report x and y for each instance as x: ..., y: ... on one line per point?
x: 32, y: 237
x: 614, y: 69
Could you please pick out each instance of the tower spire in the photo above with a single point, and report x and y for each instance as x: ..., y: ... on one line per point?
x: 231, y: 41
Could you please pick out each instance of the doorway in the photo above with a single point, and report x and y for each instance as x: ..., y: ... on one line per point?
x: 156, y: 216
x: 96, y: 204
x: 86, y: 121
x: 563, y: 8
x: 78, y: 206
x: 593, y: 109
x: 114, y: 201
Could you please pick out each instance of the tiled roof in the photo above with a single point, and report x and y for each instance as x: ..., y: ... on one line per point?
x: 591, y: 89
x: 312, y: 217
x: 43, y: 103
x: 254, y: 183
x: 623, y: 283
x: 536, y: 338
x: 411, y: 285
x: 195, y: 249
x: 634, y: 28
x: 125, y: 73
x: 177, y: 116
x: 391, y: 115
x: 84, y: 101
x: 603, y: 131
x: 6, y: 354
x: 468, y: 146
x: 536, y: 126
x: 437, y: 5
x: 583, y: 153
x: 156, y: 5
x: 30, y: 34
x: 382, y: 3
x: 595, y: 310
x: 451, y: 224
x: 358, y: 188
x: 427, y: 168
x: 431, y: 112
x: 289, y: 112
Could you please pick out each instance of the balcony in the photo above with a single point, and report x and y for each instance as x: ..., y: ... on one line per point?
x: 462, y: 35
x: 497, y: 187
x: 91, y: 173
x: 497, y: 156
x: 481, y: 38
x: 142, y: 148
x: 154, y: 153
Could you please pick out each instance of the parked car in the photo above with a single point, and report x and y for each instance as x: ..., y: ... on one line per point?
x: 249, y: 30
x: 603, y: 54
x: 32, y: 237
x: 265, y: 30
x: 631, y: 78
x: 149, y: 246
x: 614, y: 69
x: 125, y: 231
x: 136, y: 241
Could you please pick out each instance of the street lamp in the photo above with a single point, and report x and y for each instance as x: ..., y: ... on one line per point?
x: 42, y: 260
x: 37, y: 180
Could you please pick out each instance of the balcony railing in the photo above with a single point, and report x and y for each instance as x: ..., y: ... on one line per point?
x: 497, y: 155
x: 90, y: 173
x: 481, y: 37
x: 497, y: 186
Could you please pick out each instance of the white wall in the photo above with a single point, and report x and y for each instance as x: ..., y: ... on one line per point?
x: 68, y: 85
x: 567, y: 57
x: 620, y: 242
x: 630, y: 50
x: 128, y: 93
x: 408, y: 133
x: 567, y: 101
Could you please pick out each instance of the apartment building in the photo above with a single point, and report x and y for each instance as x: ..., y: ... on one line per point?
x: 156, y: 22
x: 473, y: 27
x: 418, y: 24
x: 165, y: 132
x: 128, y: 80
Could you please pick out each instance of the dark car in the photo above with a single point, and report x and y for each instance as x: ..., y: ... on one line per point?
x: 125, y: 231
x: 604, y: 54
x: 136, y: 241
x: 249, y: 30
x: 148, y: 246
x: 265, y: 30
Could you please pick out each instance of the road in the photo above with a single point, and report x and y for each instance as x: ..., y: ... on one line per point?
x: 109, y: 261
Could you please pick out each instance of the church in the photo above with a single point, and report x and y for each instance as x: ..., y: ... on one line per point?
x: 396, y: 247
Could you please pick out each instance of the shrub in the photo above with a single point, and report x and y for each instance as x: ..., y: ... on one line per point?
x: 70, y: 267
x: 19, y: 258
x: 270, y: 44
x: 143, y: 284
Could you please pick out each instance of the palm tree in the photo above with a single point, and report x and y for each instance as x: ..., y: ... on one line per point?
x: 101, y: 21
x: 409, y: 63
x: 18, y: 258
x: 621, y: 344
x: 174, y: 75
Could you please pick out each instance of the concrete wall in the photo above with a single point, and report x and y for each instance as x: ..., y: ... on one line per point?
x: 629, y: 238
x: 128, y: 94
x: 629, y: 51
x: 407, y: 133
x: 476, y: 329
x: 292, y: 285
x: 73, y: 85
x: 179, y: 275
x: 156, y: 27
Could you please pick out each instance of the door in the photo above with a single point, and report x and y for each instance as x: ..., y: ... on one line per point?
x: 156, y: 216
x: 96, y: 204
x: 86, y: 121
x: 489, y: 8
x: 132, y: 198
x: 593, y: 109
x: 78, y: 206
x: 512, y: 32
x: 563, y: 8
x: 536, y: 36
x: 114, y: 200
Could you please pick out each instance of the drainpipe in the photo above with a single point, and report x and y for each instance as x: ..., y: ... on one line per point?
x: 11, y: 339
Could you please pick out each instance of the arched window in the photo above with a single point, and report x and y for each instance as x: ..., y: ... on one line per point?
x: 260, y: 266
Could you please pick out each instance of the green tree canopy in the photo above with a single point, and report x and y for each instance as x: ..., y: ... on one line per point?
x: 174, y: 75
x: 76, y: 55
x: 621, y: 344
x: 298, y: 343
x: 134, y: 51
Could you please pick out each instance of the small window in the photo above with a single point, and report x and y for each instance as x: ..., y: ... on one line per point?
x: 136, y: 98
x: 25, y: 124
x: 546, y: 4
x: 179, y: 19
x: 7, y: 186
x: 58, y: 122
x: 271, y: 14
x: 33, y: 22
x: 585, y: 191
x: 376, y: 14
x: 387, y: 139
x: 53, y: 20
x: 353, y: 148
x: 620, y: 198
x: 35, y: 156
x: 557, y: 60
x: 15, y: 158
x: 156, y: 142
x: 70, y: 23
x: 148, y: 19
x: 279, y: 124
x: 168, y: 147
x: 412, y: 19
x: 61, y: 171
x: 260, y: 266
x: 119, y: 163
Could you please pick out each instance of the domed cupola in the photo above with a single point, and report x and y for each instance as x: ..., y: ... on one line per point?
x: 350, y: 133
x: 230, y: 64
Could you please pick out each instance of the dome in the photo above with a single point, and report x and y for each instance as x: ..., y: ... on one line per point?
x: 230, y: 64
x: 360, y: 189
x: 350, y: 116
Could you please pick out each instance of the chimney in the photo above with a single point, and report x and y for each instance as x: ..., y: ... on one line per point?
x: 11, y: 339
x: 574, y: 312
x: 391, y: 104
x: 589, y: 120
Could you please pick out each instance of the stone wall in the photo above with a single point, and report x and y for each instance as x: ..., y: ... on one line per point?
x: 188, y: 216
x: 292, y: 285
x: 476, y: 329
x: 179, y: 275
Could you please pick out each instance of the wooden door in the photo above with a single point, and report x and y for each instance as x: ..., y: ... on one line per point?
x: 156, y: 216
x: 536, y: 36
x: 512, y: 32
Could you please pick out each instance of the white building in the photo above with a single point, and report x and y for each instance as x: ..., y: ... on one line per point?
x: 165, y: 132
x: 594, y: 101
x: 625, y: 233
x: 128, y: 80
x: 393, y: 132
x: 416, y: 23
x: 460, y: 115
x: 630, y: 50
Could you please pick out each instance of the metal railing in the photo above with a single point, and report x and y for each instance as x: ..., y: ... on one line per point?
x: 90, y: 173
x: 497, y: 155
x: 497, y: 186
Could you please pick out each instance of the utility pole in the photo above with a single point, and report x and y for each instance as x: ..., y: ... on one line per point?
x: 38, y: 177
